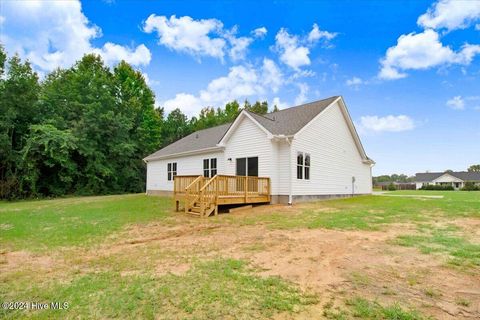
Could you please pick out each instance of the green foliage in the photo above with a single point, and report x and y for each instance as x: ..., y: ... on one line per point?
x: 19, y: 89
x: 437, y: 187
x: 470, y: 186
x: 393, y: 178
x: 474, y: 168
x: 392, y: 187
x: 48, y: 167
x: 86, y: 129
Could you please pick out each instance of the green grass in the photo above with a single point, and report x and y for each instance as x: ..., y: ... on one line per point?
x: 217, y: 289
x: 374, y: 212
x: 360, y: 308
x: 46, y: 224
x: 461, y: 251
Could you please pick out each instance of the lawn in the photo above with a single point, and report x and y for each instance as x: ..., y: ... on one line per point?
x: 131, y: 256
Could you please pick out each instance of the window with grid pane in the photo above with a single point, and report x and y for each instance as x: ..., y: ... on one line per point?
x: 299, y: 165
x: 209, y: 167
x: 171, y: 170
x: 307, y: 167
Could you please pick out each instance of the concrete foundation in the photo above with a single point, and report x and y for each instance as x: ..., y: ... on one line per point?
x: 283, y: 199
x: 163, y: 193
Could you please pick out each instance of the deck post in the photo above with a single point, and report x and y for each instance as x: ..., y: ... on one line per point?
x: 269, y: 190
x: 202, y: 204
x: 177, y: 205
x: 246, y: 188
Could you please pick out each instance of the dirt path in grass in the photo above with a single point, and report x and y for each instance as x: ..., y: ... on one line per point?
x: 335, y: 264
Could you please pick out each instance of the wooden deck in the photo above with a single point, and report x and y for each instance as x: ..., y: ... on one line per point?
x: 201, y: 196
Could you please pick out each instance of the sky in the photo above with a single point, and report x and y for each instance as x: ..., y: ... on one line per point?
x: 409, y: 71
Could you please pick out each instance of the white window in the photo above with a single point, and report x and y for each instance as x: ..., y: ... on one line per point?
x: 303, y: 166
x: 171, y: 170
x: 209, y: 167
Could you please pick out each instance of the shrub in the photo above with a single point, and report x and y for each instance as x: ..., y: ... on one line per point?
x: 470, y: 186
x: 437, y: 187
x: 391, y: 187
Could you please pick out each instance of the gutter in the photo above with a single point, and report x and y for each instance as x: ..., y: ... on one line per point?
x: 185, y: 153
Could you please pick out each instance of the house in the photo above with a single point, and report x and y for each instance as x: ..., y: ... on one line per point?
x: 305, y: 152
x: 455, y: 179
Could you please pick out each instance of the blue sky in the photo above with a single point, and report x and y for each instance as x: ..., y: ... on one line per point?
x: 408, y: 70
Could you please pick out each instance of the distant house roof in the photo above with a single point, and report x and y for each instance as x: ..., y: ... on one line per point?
x: 462, y: 175
x: 283, y: 122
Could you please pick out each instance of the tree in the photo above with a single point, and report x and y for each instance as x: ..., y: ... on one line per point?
x: 259, y: 107
x: 19, y: 90
x: 176, y: 126
x: 474, y: 168
x: 48, y: 167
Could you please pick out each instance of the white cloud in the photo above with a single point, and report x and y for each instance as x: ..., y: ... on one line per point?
x: 199, y: 38
x: 388, y: 123
x: 451, y: 14
x: 456, y: 103
x: 302, y: 96
x: 419, y: 51
x: 187, y: 35
x: 354, y: 82
x: 242, y: 81
x: 112, y: 53
x: 294, y: 50
x: 280, y: 104
x: 56, y: 34
x: 239, y: 45
x: 291, y: 52
x: 260, y: 32
x: 271, y: 74
x: 317, y: 34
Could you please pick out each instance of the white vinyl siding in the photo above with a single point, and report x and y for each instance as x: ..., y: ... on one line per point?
x: 188, y: 165
x: 335, y: 158
x: 248, y: 140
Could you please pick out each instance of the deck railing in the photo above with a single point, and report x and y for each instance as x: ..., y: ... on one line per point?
x: 220, y: 189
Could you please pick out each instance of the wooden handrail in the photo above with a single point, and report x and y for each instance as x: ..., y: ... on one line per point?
x: 193, y: 182
x: 208, y: 183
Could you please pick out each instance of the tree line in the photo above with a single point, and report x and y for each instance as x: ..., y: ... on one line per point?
x: 84, y: 130
x: 403, y: 178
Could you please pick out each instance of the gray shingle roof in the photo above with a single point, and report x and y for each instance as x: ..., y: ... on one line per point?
x: 290, y: 121
x: 287, y: 121
x: 202, y: 139
x: 462, y: 175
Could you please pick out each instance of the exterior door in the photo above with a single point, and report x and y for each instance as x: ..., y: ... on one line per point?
x: 247, y: 167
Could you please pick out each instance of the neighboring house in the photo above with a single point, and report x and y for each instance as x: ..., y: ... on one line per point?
x: 308, y: 151
x: 455, y: 179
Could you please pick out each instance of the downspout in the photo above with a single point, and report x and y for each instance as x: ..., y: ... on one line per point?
x: 290, y: 197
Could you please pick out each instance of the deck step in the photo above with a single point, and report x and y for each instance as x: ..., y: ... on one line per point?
x: 193, y: 213
x: 196, y: 209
